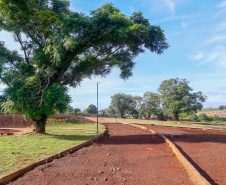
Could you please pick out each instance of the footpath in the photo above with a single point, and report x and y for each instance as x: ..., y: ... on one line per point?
x: 125, y: 155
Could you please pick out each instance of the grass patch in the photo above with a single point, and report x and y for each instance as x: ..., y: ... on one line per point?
x: 18, y: 151
x: 210, y: 110
x: 164, y: 123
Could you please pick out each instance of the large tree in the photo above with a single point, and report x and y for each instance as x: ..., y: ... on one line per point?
x: 122, y: 103
x: 91, y: 110
x: 61, y: 48
x: 151, y: 104
x: 177, y: 97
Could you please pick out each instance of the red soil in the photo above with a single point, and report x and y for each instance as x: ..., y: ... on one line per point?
x: 205, y: 149
x: 7, y: 121
x: 125, y: 156
x: 3, y: 131
x: 131, y: 156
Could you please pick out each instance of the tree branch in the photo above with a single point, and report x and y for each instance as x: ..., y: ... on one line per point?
x: 4, y: 80
x: 22, y: 45
x: 92, y: 67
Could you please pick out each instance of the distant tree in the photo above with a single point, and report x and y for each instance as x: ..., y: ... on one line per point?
x: 91, y: 110
x: 77, y: 111
x: 121, y: 103
x: 221, y: 107
x: 203, y: 117
x: 193, y: 117
x: 151, y: 104
x: 111, y: 111
x: 177, y: 97
x: 70, y: 108
x: 215, y: 118
x: 139, y: 105
x: 61, y: 48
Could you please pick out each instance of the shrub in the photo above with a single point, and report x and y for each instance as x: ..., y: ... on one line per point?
x: 203, y: 117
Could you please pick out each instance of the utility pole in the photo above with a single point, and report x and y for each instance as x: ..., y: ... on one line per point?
x: 97, y: 106
x: 116, y: 113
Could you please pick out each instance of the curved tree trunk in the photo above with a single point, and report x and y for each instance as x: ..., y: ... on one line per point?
x: 176, y: 116
x: 41, y: 124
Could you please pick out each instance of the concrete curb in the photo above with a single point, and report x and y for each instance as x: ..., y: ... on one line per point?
x: 10, y: 176
x: 187, y: 165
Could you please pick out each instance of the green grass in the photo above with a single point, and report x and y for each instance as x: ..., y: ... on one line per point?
x: 164, y: 123
x: 210, y: 110
x: 18, y: 151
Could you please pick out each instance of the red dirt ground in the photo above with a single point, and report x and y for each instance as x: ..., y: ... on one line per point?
x: 3, y: 131
x: 124, y: 156
x: 7, y: 121
x: 146, y: 163
x: 205, y: 149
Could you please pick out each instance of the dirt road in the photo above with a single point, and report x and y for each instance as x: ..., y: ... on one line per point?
x: 126, y: 155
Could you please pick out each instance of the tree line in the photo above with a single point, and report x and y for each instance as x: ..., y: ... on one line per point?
x: 174, y: 97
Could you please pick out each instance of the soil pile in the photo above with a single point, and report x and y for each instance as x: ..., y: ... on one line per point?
x: 7, y: 121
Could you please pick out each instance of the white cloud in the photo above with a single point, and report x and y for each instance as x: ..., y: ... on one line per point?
x: 160, y: 6
x: 197, y: 56
x: 131, y: 8
x: 183, y: 25
x: 222, y: 4
x: 220, y: 27
x: 174, y: 17
x: 170, y: 5
x: 216, y: 39
x: 222, y: 7
x: 216, y: 56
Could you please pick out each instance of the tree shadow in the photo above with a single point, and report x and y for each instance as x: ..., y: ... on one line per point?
x: 131, y: 139
x: 201, y: 171
x: 72, y: 137
x: 199, y: 138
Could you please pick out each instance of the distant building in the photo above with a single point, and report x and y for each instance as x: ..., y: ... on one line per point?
x: 212, y: 113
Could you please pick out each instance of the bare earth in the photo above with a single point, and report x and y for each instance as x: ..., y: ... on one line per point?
x: 131, y: 156
x: 126, y: 155
x: 205, y: 149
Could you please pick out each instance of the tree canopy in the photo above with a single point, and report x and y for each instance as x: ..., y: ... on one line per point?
x: 221, y: 107
x: 122, y: 103
x: 177, y: 97
x: 61, y: 48
x: 91, y: 110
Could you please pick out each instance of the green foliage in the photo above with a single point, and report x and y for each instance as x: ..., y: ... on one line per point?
x: 222, y: 107
x: 2, y: 100
x: 150, y: 104
x: 203, y: 117
x: 215, y: 118
x: 122, y: 103
x: 193, y: 117
x: 75, y: 111
x: 177, y: 97
x: 91, y: 110
x: 62, y: 48
x: 28, y: 97
x: 64, y: 122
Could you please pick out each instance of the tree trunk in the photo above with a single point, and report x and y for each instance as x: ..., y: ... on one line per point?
x: 162, y: 115
x: 41, y: 124
x: 176, y: 116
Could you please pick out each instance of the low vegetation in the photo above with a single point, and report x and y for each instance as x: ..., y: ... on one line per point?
x: 20, y: 150
x: 165, y: 123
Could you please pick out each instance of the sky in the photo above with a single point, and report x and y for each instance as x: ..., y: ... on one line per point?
x: 196, y: 33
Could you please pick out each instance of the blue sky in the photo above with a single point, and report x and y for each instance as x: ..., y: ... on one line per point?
x: 196, y: 32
